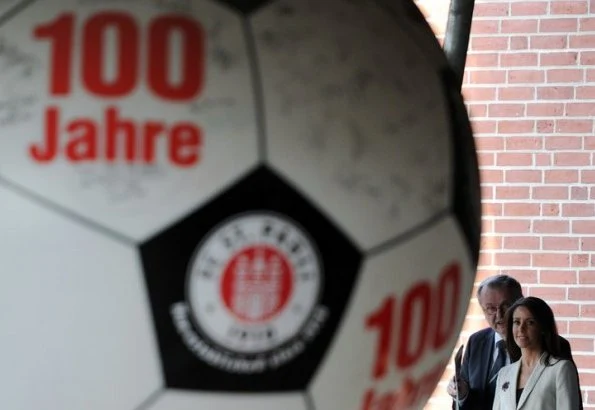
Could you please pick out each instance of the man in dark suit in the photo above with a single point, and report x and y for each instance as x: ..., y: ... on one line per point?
x: 484, y: 355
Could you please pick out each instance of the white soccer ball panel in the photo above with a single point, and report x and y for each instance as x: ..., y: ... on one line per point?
x: 354, y: 115
x: 180, y: 400
x: 76, y: 331
x: 186, y: 147
x: 399, y: 295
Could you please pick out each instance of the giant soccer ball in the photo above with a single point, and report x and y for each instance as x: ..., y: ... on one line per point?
x: 216, y: 205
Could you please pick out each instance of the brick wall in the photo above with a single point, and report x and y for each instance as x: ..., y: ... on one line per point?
x: 530, y: 90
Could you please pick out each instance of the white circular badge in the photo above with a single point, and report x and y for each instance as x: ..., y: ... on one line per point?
x: 253, y: 282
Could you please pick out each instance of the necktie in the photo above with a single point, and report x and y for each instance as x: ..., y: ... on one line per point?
x: 499, y: 363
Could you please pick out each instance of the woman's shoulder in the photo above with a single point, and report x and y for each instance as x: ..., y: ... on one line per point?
x: 559, y: 362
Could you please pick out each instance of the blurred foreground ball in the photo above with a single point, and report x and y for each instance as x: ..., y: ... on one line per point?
x: 265, y: 205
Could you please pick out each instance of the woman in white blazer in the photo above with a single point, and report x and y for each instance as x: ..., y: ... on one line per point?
x: 537, y: 379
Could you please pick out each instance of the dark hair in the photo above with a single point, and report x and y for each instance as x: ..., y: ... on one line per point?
x: 544, y: 316
x: 502, y: 282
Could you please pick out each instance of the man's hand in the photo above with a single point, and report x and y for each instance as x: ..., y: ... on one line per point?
x: 462, y: 386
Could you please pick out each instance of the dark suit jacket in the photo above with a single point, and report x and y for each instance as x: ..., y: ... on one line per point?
x: 476, y: 366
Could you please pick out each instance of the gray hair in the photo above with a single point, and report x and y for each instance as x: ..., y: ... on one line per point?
x: 502, y: 282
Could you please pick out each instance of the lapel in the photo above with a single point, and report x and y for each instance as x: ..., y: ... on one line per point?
x: 512, y: 378
x: 486, y: 356
x: 533, y: 379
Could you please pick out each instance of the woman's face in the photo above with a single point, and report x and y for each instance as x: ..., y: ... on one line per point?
x: 525, y: 329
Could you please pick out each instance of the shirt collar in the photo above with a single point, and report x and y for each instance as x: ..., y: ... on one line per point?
x: 497, y: 338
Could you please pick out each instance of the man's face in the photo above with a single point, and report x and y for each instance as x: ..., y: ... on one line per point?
x: 494, y: 303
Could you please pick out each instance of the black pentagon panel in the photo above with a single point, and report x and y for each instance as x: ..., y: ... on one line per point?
x: 245, y: 6
x: 466, y: 185
x: 248, y: 291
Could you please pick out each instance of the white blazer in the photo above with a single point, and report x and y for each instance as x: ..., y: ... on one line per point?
x: 553, y: 387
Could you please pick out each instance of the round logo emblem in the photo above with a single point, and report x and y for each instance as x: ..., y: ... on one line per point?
x: 253, y: 282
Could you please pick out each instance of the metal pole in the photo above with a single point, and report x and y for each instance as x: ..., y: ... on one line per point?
x: 456, y: 37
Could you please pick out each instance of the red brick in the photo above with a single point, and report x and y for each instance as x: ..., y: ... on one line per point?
x: 477, y: 110
x: 525, y: 76
x: 586, y: 277
x: 559, y: 243
x: 590, y: 75
x: 555, y: 42
x: 581, y: 293
x: 563, y: 58
x: 528, y: 8
x: 563, y: 142
x: 549, y: 192
x: 482, y: 60
x: 560, y: 176
x: 487, y: 76
x: 550, y: 260
x: 580, y: 109
x: 521, y: 209
x: 487, y: 193
x: 564, y: 75
x: 516, y: 93
x: 562, y: 309
x: 548, y: 209
x: 585, y: 92
x: 479, y: 93
x: 491, y: 209
x: 488, y: 43
x: 519, y: 42
x: 562, y: 326
x: 515, y: 126
x: 587, y: 311
x: 588, y: 244
x: 579, y: 193
x: 506, y: 110
x: 496, y: 8
x: 579, y: 260
x: 484, y: 126
x: 573, y: 210
x: 587, y: 24
x: 545, y: 109
x: 491, y: 176
x: 521, y: 242
x: 572, y: 159
x: 525, y: 276
x: 512, y: 259
x: 519, y: 60
x: 511, y: 226
x: 524, y: 143
x: 574, y: 126
x: 543, y: 159
x: 519, y: 26
x: 544, y: 126
x: 486, y: 159
x: 587, y: 176
x: 487, y: 225
x: 485, y: 27
x: 515, y: 159
x: 583, y: 328
x: 555, y: 93
x: 587, y: 57
x: 512, y: 192
x: 486, y: 258
x: 568, y: 7
x: 559, y: 277
x: 581, y: 41
x: 583, y: 226
x: 547, y: 293
x: 489, y: 143
x: 589, y: 143
x: 491, y: 242
x: 558, y: 25
x: 512, y: 176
